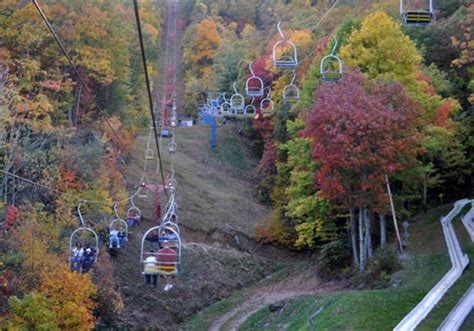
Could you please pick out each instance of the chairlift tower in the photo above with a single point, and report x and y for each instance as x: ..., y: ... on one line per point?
x: 213, y: 100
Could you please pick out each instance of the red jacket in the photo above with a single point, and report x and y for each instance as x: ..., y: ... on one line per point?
x: 167, y: 259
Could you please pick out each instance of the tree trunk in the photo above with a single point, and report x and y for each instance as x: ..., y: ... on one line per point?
x: 355, y: 254
x: 78, y: 104
x: 362, y: 246
x: 425, y: 193
x: 368, y: 231
x: 383, y: 231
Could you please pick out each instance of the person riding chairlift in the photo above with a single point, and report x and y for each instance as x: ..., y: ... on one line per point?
x: 114, y: 241
x: 151, y: 270
x: 88, y: 258
x: 133, y: 219
x: 76, y: 259
x: 122, y: 237
x: 167, y: 259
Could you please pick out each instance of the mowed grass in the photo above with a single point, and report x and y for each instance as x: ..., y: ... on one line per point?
x: 214, y: 191
x: 383, y: 309
x: 231, y: 152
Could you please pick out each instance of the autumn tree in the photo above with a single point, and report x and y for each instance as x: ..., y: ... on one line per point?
x: 71, y: 296
x: 380, y: 49
x: 360, y: 131
x: 206, y: 41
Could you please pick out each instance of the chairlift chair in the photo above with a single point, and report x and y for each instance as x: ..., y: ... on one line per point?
x: 171, y: 216
x: 253, y: 85
x: 174, y: 120
x: 225, y: 109
x: 165, y: 133
x: 161, y: 268
x: 121, y: 224
x: 134, y: 210
x: 416, y: 17
x: 149, y: 154
x: 331, y: 67
x: 291, y: 93
x: 240, y: 113
x: 284, y: 60
x: 172, y: 182
x: 250, y: 110
x: 266, y: 105
x: 142, y: 193
x: 237, y: 101
x: 77, y: 235
x: 118, y: 222
x: 172, y: 225
x: 172, y: 146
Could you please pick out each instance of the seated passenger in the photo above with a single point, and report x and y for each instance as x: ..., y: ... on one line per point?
x: 114, y: 241
x: 167, y: 264
x: 76, y: 258
x: 122, y: 236
x: 88, y: 259
x: 151, y: 270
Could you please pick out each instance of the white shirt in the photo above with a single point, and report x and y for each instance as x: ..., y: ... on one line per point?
x: 77, y: 252
x: 151, y: 260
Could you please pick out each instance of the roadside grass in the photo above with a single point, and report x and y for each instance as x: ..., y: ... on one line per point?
x: 383, y: 309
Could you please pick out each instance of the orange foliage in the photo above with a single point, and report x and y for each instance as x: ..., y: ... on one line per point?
x: 68, y: 180
x: 442, y: 114
x: 273, y: 231
x: 71, y: 297
x: 120, y: 137
x: 206, y: 42
x: 427, y: 87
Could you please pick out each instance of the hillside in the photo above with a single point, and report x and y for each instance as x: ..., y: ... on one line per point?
x: 425, y: 261
x: 216, y: 204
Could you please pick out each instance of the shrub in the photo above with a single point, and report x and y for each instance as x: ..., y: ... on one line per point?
x: 334, y: 257
x: 383, y: 263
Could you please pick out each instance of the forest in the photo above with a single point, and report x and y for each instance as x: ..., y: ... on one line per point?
x: 398, y: 117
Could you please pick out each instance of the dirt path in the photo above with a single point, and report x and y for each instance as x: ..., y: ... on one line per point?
x: 303, y: 284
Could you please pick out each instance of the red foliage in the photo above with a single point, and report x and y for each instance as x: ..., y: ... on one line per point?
x: 68, y: 180
x: 267, y: 163
x: 442, y: 114
x: 263, y: 125
x: 12, y: 214
x: 360, y: 131
x: 6, y: 283
x: 267, y: 170
x: 259, y: 67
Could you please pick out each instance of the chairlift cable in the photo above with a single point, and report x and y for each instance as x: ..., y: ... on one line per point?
x: 49, y: 188
x: 74, y: 68
x: 81, y: 81
x: 147, y: 78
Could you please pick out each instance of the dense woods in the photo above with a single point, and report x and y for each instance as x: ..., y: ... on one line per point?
x: 319, y: 168
x: 403, y: 113
x: 57, y: 134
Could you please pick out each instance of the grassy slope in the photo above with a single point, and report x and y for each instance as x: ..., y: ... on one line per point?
x: 370, y: 309
x: 214, y: 203
x: 383, y: 309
